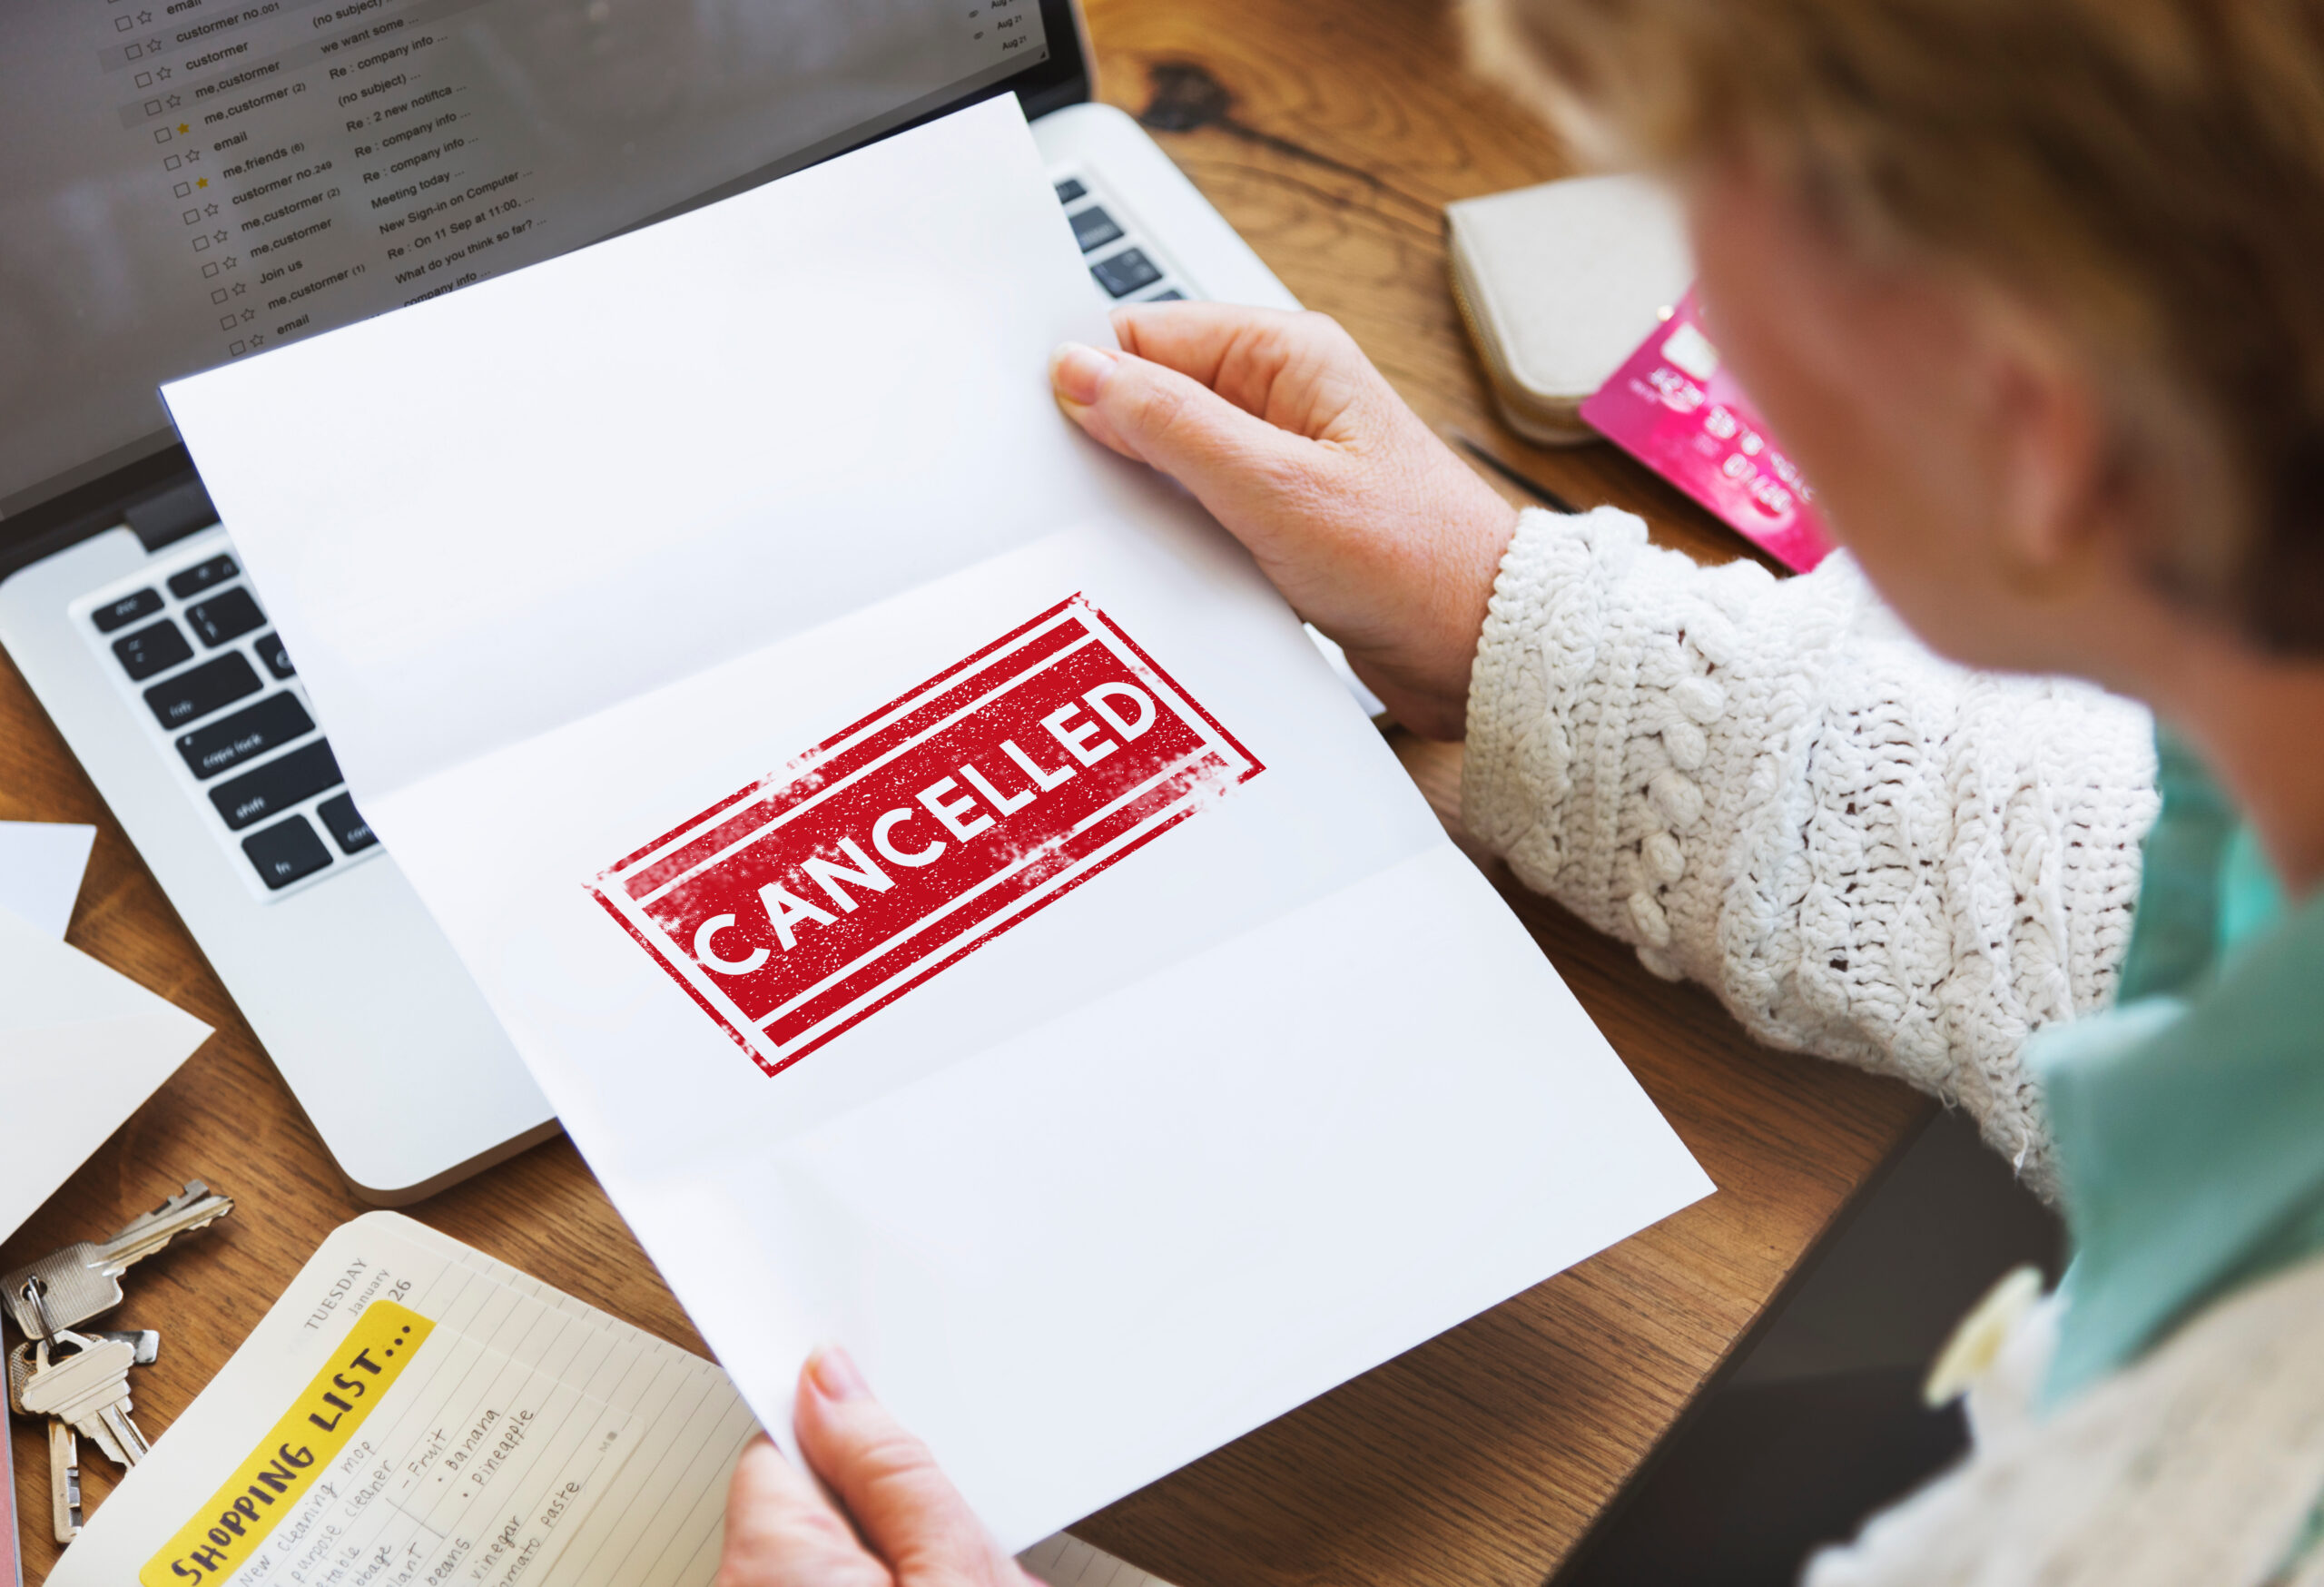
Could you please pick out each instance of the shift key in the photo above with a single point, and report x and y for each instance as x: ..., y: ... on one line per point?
x: 276, y: 786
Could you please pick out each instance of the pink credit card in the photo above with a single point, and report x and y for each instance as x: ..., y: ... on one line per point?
x: 1673, y: 405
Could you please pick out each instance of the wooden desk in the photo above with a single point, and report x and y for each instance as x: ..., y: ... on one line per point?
x: 1331, y: 134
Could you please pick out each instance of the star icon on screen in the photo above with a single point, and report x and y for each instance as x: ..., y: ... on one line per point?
x: 145, y: 19
x: 218, y: 237
x: 183, y: 128
x: 201, y: 181
x: 174, y: 103
x: 231, y: 261
x: 239, y: 288
x: 249, y: 315
x: 164, y: 73
x: 211, y: 209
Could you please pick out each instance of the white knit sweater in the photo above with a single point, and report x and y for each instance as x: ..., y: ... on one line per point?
x: 1873, y: 855
x: 1769, y: 787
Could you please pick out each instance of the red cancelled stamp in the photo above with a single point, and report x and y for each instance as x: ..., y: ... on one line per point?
x: 803, y: 904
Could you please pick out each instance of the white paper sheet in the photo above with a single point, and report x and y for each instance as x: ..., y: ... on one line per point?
x: 572, y: 555
x: 80, y: 1049
x: 41, y: 866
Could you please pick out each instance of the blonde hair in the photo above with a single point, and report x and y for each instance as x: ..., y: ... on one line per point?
x: 2148, y: 174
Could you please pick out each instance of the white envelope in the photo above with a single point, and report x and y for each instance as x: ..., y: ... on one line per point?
x: 80, y: 1049
x: 1277, y: 1089
x: 41, y: 866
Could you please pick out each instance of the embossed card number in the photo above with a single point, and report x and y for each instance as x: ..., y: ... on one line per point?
x: 798, y: 906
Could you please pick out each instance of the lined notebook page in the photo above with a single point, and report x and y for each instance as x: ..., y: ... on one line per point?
x: 664, y: 1527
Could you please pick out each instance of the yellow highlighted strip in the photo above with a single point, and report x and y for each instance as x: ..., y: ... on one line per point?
x: 231, y: 1529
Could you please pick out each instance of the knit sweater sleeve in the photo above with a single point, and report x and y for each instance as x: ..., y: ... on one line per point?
x: 1769, y: 787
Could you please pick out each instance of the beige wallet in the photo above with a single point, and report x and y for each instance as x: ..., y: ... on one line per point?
x: 1558, y: 284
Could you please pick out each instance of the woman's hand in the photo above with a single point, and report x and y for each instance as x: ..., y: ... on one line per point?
x: 1368, y: 524
x: 911, y: 1527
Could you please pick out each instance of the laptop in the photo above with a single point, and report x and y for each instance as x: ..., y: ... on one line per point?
x: 192, y: 182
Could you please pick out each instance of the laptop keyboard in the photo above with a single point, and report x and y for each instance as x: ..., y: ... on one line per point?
x: 1126, y: 268
x: 189, y: 642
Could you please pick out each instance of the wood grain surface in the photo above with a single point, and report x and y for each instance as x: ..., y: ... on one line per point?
x: 1332, y: 135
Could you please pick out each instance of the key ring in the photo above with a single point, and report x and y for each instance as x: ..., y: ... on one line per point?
x: 35, y: 1292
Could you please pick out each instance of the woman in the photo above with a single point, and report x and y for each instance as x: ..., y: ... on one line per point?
x: 2032, y: 290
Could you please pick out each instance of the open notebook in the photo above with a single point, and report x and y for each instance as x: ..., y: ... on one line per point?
x: 413, y: 1411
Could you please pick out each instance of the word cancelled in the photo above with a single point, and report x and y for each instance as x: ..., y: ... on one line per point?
x: 804, y: 902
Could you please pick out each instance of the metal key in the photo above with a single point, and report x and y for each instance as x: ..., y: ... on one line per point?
x: 67, y: 1287
x: 145, y: 1342
x: 64, y: 1482
x: 90, y: 1389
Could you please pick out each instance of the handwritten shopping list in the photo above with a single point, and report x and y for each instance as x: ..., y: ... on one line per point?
x: 417, y: 1455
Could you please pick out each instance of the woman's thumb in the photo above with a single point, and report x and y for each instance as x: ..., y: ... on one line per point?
x: 1160, y: 417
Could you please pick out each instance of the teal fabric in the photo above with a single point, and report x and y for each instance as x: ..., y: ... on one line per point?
x: 2189, y: 1120
x: 2250, y: 899
x: 2176, y: 937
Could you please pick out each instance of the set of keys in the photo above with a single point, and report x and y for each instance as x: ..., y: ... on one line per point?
x: 80, y: 1381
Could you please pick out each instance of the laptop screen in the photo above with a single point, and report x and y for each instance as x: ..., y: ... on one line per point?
x: 192, y: 182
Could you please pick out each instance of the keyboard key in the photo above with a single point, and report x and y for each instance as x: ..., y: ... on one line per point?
x: 191, y: 583
x: 1125, y: 272
x: 343, y: 823
x: 277, y: 659
x: 1069, y: 190
x: 1093, y: 227
x: 152, y: 650
x: 276, y: 786
x: 196, y: 694
x: 127, y: 609
x: 285, y: 854
x: 225, y: 616
x: 245, y: 736
x: 1168, y: 295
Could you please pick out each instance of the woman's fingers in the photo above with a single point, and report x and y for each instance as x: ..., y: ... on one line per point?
x: 1247, y: 472
x: 1299, y: 371
x: 1198, y: 338
x: 781, y: 1532
x: 907, y: 1509
x: 1153, y: 413
x: 1363, y: 519
x: 911, y: 1527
